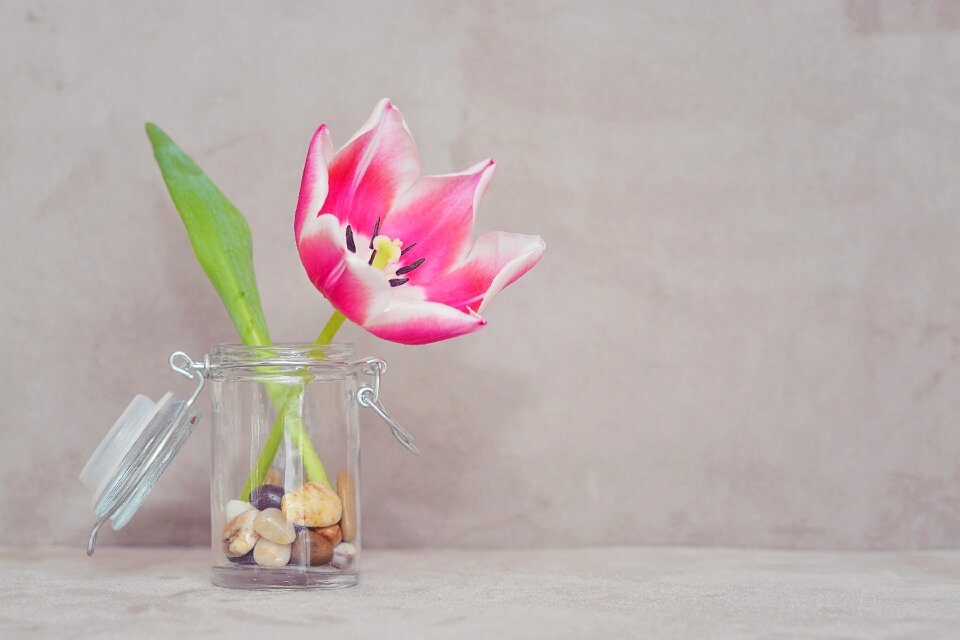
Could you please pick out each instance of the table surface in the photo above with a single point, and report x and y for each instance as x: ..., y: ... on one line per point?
x: 577, y: 593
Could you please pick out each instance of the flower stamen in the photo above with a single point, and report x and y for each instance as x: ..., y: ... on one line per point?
x: 386, y: 251
x: 409, y: 267
x: 396, y: 282
x: 405, y: 249
x: 376, y: 230
x: 350, y: 243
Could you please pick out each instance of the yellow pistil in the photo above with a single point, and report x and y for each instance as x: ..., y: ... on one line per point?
x: 388, y: 251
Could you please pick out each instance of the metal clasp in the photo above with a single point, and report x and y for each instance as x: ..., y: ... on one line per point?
x: 185, y: 366
x: 369, y: 396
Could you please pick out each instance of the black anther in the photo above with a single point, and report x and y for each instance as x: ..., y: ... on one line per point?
x: 396, y: 282
x: 376, y: 230
x: 410, y: 267
x: 350, y: 243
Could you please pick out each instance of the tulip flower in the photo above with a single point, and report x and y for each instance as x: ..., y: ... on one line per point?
x: 392, y: 250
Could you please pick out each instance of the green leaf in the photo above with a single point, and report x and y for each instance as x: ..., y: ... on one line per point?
x: 219, y: 234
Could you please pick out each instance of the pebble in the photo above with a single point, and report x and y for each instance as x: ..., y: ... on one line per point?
x: 266, y: 496
x: 235, y: 508
x: 239, y: 535
x: 343, y: 555
x: 311, y: 549
x: 272, y: 525
x: 271, y: 554
x: 273, y: 476
x: 312, y: 505
x: 347, y: 493
x: 246, y: 558
x: 331, y: 533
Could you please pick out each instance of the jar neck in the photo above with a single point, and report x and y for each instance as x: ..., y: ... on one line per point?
x: 306, y: 354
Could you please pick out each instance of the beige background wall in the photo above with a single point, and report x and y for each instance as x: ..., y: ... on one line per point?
x: 744, y: 331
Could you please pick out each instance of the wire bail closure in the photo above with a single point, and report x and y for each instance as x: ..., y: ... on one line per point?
x: 184, y: 365
x: 369, y: 397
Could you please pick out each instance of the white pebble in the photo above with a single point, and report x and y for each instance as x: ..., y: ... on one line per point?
x: 272, y: 525
x: 239, y: 536
x: 343, y: 555
x: 271, y: 554
x: 235, y: 508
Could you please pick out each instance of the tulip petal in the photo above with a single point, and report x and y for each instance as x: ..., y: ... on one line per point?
x: 357, y: 290
x: 322, y: 248
x: 313, y: 185
x: 421, y: 322
x: 497, y: 260
x: 351, y: 285
x: 437, y: 213
x: 369, y: 172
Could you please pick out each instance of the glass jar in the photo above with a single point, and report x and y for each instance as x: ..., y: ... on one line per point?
x: 284, y: 485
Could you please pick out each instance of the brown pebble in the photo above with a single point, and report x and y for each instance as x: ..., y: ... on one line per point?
x: 347, y: 492
x: 273, y: 476
x: 310, y: 549
x: 331, y: 533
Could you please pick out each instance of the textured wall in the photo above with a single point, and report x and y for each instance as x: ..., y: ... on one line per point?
x: 744, y: 331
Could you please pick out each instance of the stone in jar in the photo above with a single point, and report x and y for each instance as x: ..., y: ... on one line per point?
x: 312, y: 505
x: 235, y: 508
x: 272, y: 525
x: 347, y: 493
x: 271, y: 554
x: 239, y: 537
x: 273, y: 476
x: 310, y: 549
x: 343, y: 555
x: 266, y: 496
x: 331, y: 533
x: 246, y: 558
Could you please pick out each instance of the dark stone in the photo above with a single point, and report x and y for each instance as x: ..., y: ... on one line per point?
x: 267, y: 496
x: 246, y: 558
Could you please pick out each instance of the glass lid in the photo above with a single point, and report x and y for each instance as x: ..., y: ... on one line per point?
x: 137, y: 450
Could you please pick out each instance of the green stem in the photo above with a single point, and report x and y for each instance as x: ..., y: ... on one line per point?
x: 287, y: 400
x: 330, y: 329
x: 267, y: 454
x: 288, y: 418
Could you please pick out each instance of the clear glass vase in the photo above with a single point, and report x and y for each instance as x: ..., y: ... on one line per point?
x: 284, y: 485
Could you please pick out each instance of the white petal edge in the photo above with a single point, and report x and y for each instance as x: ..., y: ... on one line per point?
x: 410, y: 322
x: 314, y: 183
x: 523, y: 262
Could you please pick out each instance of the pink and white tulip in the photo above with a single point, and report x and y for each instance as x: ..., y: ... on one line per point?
x: 393, y: 250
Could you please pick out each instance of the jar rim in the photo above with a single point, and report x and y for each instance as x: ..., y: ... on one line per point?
x: 294, y: 353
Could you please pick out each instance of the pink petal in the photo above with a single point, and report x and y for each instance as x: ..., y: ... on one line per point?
x: 351, y: 285
x: 437, y: 213
x: 357, y: 290
x: 367, y: 174
x: 313, y: 185
x: 322, y: 247
x: 497, y: 260
x: 410, y: 322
